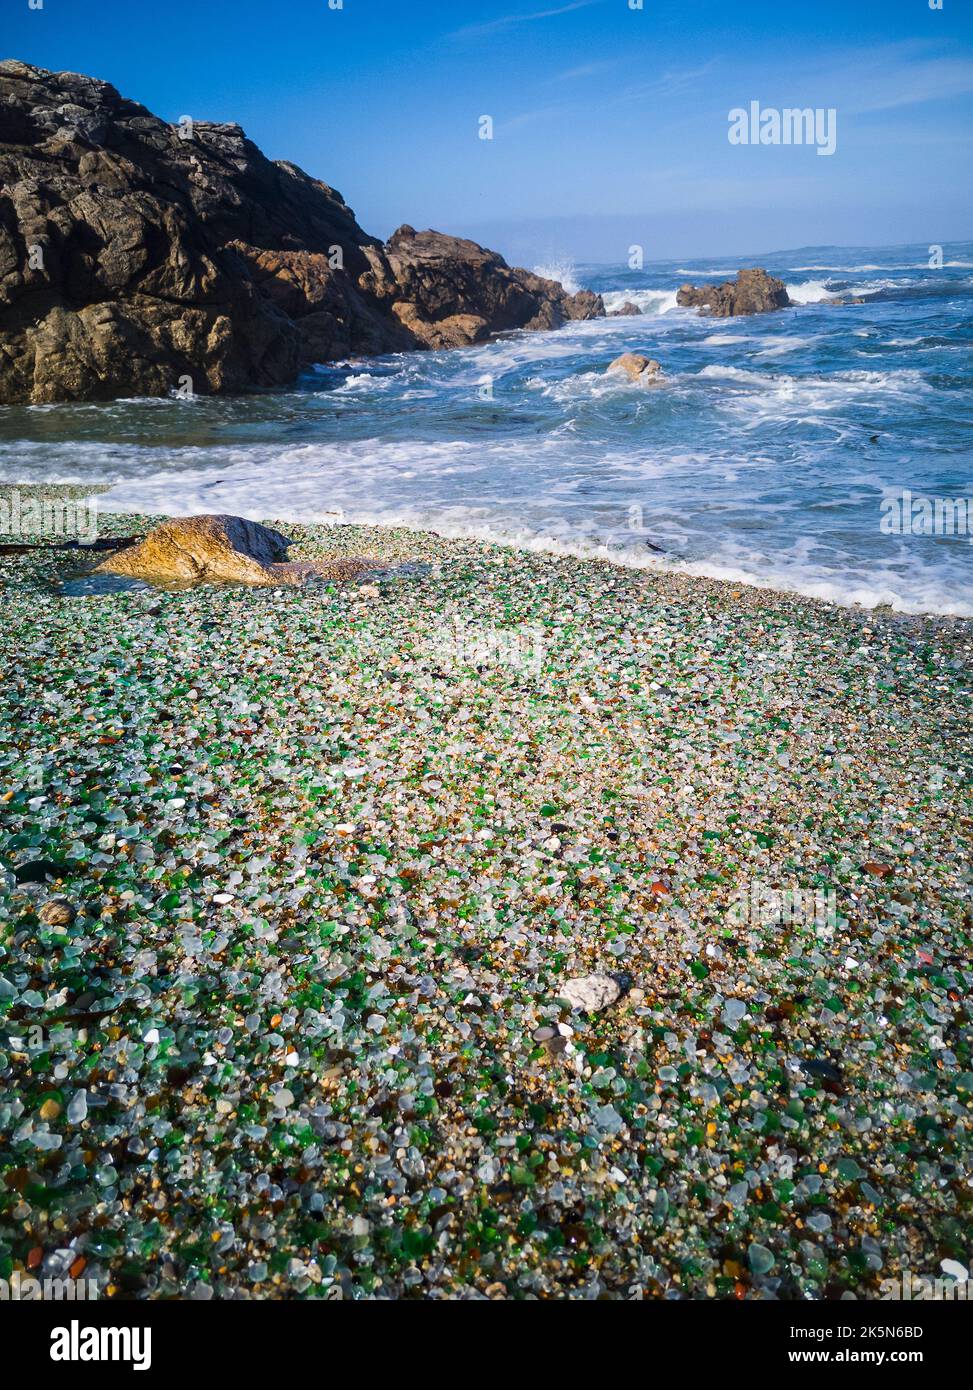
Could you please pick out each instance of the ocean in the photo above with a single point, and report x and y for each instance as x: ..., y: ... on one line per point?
x: 770, y: 454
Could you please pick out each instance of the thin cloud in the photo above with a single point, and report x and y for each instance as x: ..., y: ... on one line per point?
x: 584, y: 70
x: 668, y: 85
x: 916, y: 72
x: 523, y: 118
x: 509, y: 21
x: 664, y: 86
x: 910, y: 81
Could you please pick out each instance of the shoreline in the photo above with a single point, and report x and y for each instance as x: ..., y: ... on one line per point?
x: 621, y: 557
x: 330, y: 856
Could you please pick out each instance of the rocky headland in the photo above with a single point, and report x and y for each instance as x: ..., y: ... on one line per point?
x: 139, y: 257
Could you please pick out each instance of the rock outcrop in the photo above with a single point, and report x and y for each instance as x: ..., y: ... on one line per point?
x: 626, y: 310
x: 645, y: 370
x: 221, y: 549
x: 752, y: 292
x: 449, y: 292
x: 138, y: 258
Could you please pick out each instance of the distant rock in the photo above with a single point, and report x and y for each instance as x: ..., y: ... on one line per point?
x: 449, y: 292
x: 140, y: 258
x: 624, y: 310
x: 221, y: 549
x: 753, y: 292
x: 645, y: 370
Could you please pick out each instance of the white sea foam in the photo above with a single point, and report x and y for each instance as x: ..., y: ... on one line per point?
x: 863, y: 269
x: 850, y: 269
x: 752, y: 461
x: 759, y: 399
x: 928, y: 589
x: 719, y: 339
x: 584, y: 384
x: 717, y: 371
x: 651, y: 302
x: 561, y: 271
x: 875, y: 286
x: 779, y: 347
x: 809, y: 292
x: 904, y: 591
x: 364, y: 381
x: 420, y: 484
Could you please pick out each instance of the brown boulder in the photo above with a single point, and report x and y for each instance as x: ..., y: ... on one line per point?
x: 645, y: 370
x: 626, y: 310
x: 221, y: 549
x: 450, y: 292
x: 753, y: 292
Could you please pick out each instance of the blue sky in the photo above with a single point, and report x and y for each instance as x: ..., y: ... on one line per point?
x: 610, y: 123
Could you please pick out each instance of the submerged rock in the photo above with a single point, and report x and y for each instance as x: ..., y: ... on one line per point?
x: 142, y: 258
x: 645, y: 370
x: 226, y: 549
x: 753, y: 292
x: 626, y: 310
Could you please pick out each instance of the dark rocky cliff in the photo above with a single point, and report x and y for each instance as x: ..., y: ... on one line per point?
x: 136, y: 256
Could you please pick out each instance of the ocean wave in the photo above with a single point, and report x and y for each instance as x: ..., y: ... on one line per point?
x: 775, y: 396
x: 864, y: 269
x: 876, y: 287
x: 650, y: 302
x: 780, y: 346
x: 897, y: 379
x: 763, y: 433
x: 365, y: 381
x: 563, y: 272
x: 809, y: 292
x: 722, y: 339
x: 853, y: 269
x: 595, y: 386
x: 466, y: 488
x: 718, y: 371
x: 916, y: 590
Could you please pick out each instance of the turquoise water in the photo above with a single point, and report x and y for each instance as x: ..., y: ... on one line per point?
x: 764, y: 456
